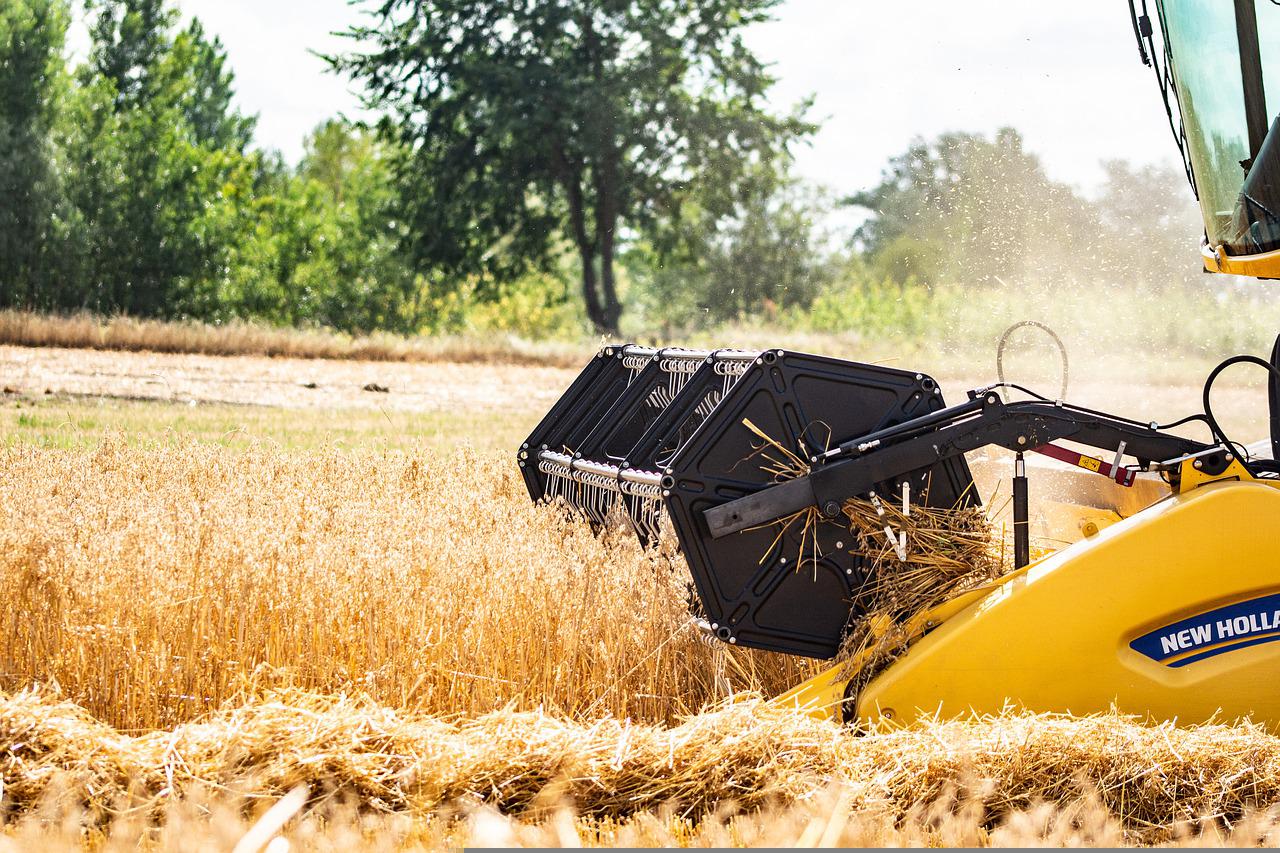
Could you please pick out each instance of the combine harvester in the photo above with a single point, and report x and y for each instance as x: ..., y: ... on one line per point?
x: 1165, y: 601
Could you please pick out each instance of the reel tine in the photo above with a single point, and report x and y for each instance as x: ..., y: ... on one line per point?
x: 617, y: 409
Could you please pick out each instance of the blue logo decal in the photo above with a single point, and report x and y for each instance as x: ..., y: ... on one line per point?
x: 1226, y: 629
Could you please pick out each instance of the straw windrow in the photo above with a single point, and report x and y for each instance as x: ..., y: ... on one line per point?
x: 750, y: 754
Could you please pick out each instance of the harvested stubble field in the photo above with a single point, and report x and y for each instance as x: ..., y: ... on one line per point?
x: 392, y: 645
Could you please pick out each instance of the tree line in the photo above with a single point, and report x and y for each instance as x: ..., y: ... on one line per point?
x: 131, y: 185
x: 535, y: 166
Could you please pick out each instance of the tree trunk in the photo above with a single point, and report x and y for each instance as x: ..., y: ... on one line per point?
x: 571, y: 179
x: 589, y: 295
x: 606, y: 185
x: 612, y: 310
x: 604, y: 177
x: 587, y: 253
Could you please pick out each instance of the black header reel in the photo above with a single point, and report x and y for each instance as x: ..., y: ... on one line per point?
x: 665, y: 435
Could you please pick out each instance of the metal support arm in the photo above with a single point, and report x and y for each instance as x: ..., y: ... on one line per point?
x: 856, y: 466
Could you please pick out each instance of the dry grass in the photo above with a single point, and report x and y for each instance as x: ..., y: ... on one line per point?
x: 208, y: 822
x: 90, y: 331
x: 217, y: 823
x: 150, y: 584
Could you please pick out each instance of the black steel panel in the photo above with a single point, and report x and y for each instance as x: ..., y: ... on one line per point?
x: 576, y: 413
x: 631, y: 415
x: 768, y: 597
x: 674, y: 427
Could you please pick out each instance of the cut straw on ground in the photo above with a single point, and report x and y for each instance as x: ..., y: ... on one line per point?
x: 744, y: 755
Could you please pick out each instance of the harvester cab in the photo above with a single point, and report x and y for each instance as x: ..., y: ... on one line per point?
x: 1218, y: 69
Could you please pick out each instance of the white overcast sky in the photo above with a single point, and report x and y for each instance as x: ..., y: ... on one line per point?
x: 1066, y: 74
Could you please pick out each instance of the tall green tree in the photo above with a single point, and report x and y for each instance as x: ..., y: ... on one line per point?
x: 31, y: 79
x: 207, y: 92
x: 148, y: 65
x: 130, y: 38
x: 523, y: 124
x: 160, y: 178
x: 324, y: 247
x: 369, y: 284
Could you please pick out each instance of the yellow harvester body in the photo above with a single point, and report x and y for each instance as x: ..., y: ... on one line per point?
x: 1172, y: 613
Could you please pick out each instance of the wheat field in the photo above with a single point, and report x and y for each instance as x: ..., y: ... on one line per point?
x: 152, y: 585
x: 367, y: 646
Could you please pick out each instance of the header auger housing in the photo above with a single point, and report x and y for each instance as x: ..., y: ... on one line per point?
x: 750, y: 458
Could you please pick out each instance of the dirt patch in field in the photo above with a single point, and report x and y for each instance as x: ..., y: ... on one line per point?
x: 298, y: 383
x: 292, y: 383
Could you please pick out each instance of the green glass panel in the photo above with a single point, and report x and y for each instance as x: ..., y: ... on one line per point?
x: 1202, y: 34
